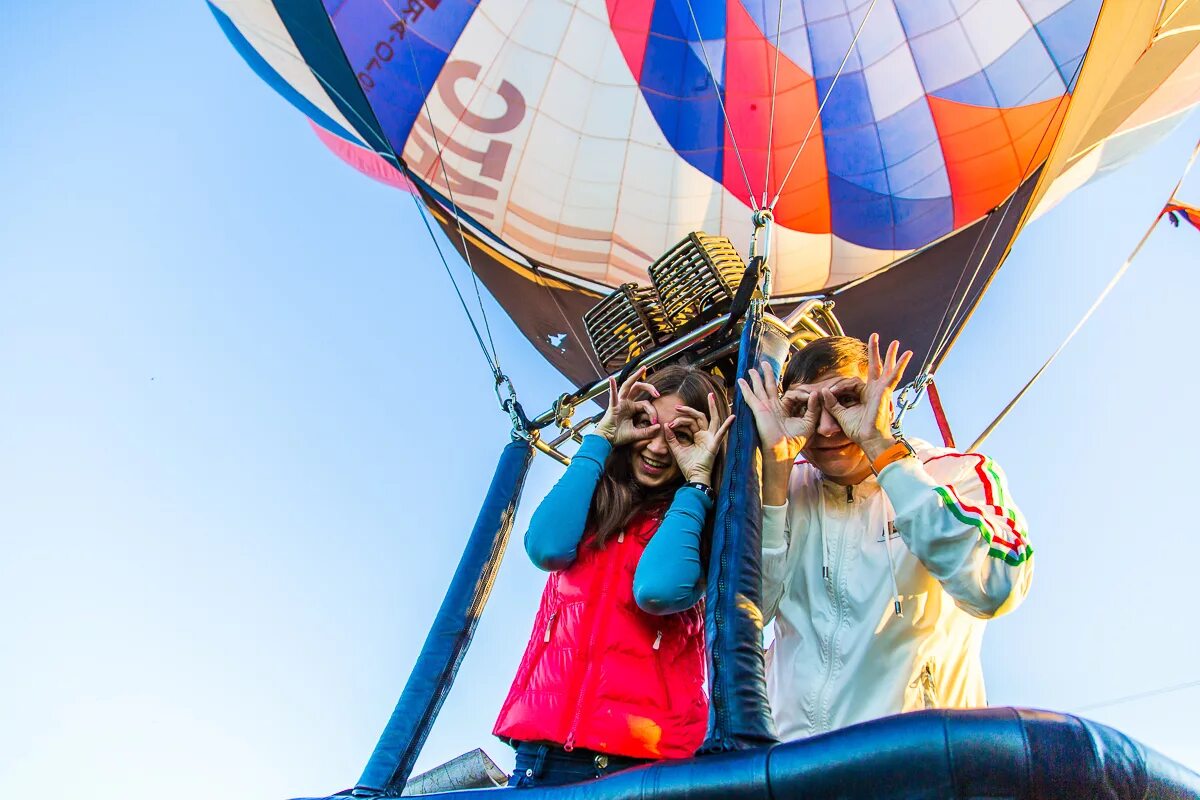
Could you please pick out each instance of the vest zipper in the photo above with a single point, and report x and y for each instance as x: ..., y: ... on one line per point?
x: 613, y: 562
x: 662, y: 672
x: 549, y: 627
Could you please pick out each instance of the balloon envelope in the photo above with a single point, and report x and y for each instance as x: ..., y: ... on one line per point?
x: 580, y: 140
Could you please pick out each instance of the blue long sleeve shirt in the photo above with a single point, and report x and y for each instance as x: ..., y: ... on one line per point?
x: 669, y: 576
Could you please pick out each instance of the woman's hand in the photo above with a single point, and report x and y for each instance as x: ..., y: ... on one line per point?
x: 783, y: 436
x: 695, y: 439
x: 627, y: 420
x: 868, y: 422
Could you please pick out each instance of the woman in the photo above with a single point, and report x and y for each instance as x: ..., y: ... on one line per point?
x: 613, y: 675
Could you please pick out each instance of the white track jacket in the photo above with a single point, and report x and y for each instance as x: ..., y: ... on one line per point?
x: 939, y: 536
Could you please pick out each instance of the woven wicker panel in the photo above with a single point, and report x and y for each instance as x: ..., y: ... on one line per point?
x: 697, y: 278
x: 626, y: 324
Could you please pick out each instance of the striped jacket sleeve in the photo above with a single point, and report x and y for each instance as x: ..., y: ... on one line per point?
x: 956, y: 515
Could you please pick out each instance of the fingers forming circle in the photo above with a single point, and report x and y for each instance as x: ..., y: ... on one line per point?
x: 637, y: 375
x: 713, y: 411
x: 641, y: 386
x: 722, y: 431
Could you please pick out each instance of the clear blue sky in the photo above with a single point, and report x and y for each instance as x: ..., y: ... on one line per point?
x: 244, y: 431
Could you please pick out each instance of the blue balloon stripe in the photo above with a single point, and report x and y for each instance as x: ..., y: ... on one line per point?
x: 680, y: 93
x: 313, y: 34
x: 912, y: 152
x: 1020, y: 76
x: 396, y: 52
x: 1067, y: 34
x: 884, y: 222
x: 267, y: 73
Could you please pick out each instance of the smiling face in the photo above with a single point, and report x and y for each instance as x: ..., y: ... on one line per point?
x: 829, y: 449
x: 650, y: 460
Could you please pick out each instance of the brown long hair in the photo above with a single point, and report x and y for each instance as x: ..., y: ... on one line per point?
x: 619, y: 496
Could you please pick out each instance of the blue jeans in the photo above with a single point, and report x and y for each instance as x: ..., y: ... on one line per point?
x: 550, y: 765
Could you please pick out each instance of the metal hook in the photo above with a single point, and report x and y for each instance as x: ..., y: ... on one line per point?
x: 512, y: 406
x: 760, y: 245
x: 904, y: 403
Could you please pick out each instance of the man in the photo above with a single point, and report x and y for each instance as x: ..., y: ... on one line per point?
x: 882, y: 558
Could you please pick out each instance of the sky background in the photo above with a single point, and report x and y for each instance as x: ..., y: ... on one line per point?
x: 244, y: 431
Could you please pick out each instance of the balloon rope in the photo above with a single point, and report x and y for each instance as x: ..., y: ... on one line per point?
x: 1088, y: 315
x: 939, y: 414
x: 1129, y: 698
x: 492, y: 363
x: 583, y: 346
x: 1176, y: 31
x: 938, y: 337
x: 774, y: 93
x: 721, y: 102
x: 1164, y: 23
x: 384, y: 148
x: 570, y: 326
x: 812, y: 125
x: 494, y: 360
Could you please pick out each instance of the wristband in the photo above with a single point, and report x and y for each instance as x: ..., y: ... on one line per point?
x: 704, y: 487
x: 901, y: 449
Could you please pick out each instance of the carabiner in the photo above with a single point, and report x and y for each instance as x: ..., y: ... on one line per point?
x: 512, y: 406
x: 904, y: 404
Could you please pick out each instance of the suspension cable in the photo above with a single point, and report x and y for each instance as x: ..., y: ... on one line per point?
x: 774, y: 94
x: 1120, y: 273
x: 384, y: 147
x: 721, y: 102
x: 813, y: 124
x: 492, y: 364
x: 500, y: 377
x: 582, y: 342
x: 494, y: 360
x: 927, y: 362
x: 1129, y: 698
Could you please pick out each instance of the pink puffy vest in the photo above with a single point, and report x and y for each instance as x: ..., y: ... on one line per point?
x: 599, y: 673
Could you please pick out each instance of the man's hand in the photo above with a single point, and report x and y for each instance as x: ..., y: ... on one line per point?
x: 783, y: 436
x: 695, y: 439
x: 864, y: 410
x: 620, y: 423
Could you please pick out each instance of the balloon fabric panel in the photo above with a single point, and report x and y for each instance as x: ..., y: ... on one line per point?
x: 589, y: 136
x: 874, y: 171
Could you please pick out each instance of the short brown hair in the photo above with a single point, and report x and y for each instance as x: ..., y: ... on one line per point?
x: 828, y: 354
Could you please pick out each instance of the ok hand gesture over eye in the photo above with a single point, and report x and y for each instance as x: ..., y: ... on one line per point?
x: 868, y: 422
x: 627, y: 420
x: 783, y: 435
x: 695, y: 440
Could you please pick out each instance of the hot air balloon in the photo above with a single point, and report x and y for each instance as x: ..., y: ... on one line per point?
x: 882, y: 155
x: 576, y: 142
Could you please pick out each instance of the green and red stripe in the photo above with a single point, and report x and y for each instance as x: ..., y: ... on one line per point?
x: 1012, y: 546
